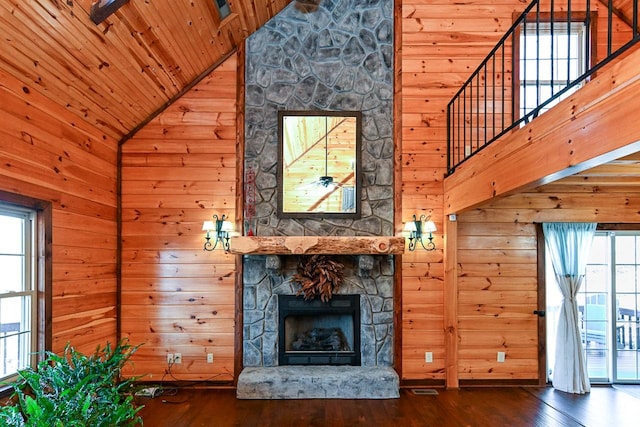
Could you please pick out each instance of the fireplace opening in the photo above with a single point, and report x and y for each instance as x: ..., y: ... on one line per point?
x: 317, y: 333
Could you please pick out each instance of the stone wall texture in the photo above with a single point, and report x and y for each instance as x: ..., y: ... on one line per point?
x: 338, y: 58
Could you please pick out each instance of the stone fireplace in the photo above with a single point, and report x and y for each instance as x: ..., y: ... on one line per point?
x: 338, y: 58
x: 365, y: 299
x: 368, y: 277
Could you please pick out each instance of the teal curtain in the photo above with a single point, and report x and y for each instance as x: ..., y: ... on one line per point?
x: 569, y: 245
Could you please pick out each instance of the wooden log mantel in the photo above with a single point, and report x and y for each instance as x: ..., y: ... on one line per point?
x: 328, y: 245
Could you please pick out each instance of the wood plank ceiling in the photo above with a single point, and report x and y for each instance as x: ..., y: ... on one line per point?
x: 116, y: 74
x: 616, y: 176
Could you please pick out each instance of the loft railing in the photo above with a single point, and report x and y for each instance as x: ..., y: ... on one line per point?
x: 549, y: 52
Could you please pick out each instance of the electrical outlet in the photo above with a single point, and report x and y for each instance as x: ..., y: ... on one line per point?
x: 501, y: 356
x: 170, y: 358
x: 209, y: 357
x: 428, y: 357
x: 177, y: 358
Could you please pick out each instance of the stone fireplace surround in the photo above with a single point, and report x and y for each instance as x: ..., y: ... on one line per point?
x: 337, y: 58
x: 266, y: 277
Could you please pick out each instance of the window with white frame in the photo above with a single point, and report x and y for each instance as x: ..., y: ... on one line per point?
x: 18, y: 303
x: 550, y: 58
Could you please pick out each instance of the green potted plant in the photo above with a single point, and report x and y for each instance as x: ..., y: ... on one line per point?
x: 76, y: 390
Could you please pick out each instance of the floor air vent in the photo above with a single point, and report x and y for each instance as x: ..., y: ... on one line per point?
x: 424, y: 392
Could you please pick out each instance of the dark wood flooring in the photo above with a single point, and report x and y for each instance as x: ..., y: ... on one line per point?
x: 504, y: 406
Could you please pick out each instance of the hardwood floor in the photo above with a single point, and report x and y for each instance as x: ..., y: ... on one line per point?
x: 505, y: 406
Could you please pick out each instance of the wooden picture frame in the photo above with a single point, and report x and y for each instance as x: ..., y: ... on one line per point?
x: 319, y: 164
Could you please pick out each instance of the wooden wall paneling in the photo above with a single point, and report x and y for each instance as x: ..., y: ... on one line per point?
x: 542, y: 307
x: 49, y: 155
x: 486, y: 254
x: 498, y: 293
x: 177, y: 298
x: 442, y: 43
x: 451, y: 305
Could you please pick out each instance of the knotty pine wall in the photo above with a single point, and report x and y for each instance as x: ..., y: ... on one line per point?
x: 47, y: 153
x: 442, y: 44
x: 177, y: 172
x: 497, y: 284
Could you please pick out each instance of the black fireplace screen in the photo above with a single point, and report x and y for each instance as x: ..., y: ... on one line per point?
x: 317, y: 333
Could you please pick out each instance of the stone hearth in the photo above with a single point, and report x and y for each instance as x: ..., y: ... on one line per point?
x: 318, y: 382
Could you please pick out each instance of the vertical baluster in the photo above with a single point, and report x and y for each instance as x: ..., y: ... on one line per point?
x: 470, y: 119
x: 537, y: 54
x: 493, y: 98
x: 568, y: 42
x: 450, y: 135
x: 485, y: 105
x: 635, y: 18
x: 587, y: 53
x: 502, y: 110
x: 553, y: 41
x: 523, y: 68
x: 477, y: 112
x: 458, y: 111
x: 609, y: 25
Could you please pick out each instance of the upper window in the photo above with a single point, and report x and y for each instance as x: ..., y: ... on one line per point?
x: 223, y: 8
x: 18, y: 304
x: 551, y: 57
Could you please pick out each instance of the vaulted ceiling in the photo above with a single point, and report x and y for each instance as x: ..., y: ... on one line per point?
x: 118, y: 73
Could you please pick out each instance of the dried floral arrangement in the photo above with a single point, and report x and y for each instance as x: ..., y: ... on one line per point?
x: 318, y: 276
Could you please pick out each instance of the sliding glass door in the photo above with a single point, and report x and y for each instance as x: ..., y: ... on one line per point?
x: 626, y: 277
x: 609, y: 306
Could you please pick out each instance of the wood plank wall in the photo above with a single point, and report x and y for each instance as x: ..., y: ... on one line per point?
x: 48, y: 154
x: 178, y: 171
x: 497, y: 283
x: 497, y: 293
x: 442, y: 43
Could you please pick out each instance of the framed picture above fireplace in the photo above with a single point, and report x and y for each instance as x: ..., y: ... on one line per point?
x: 319, y: 164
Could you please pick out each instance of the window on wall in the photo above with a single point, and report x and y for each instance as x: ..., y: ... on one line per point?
x: 223, y: 8
x: 551, y: 56
x: 18, y: 290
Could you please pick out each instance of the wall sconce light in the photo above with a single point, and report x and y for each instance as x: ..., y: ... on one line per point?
x: 221, y: 229
x: 414, y: 229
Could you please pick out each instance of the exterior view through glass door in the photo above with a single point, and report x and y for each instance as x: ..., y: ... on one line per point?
x: 609, y: 306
